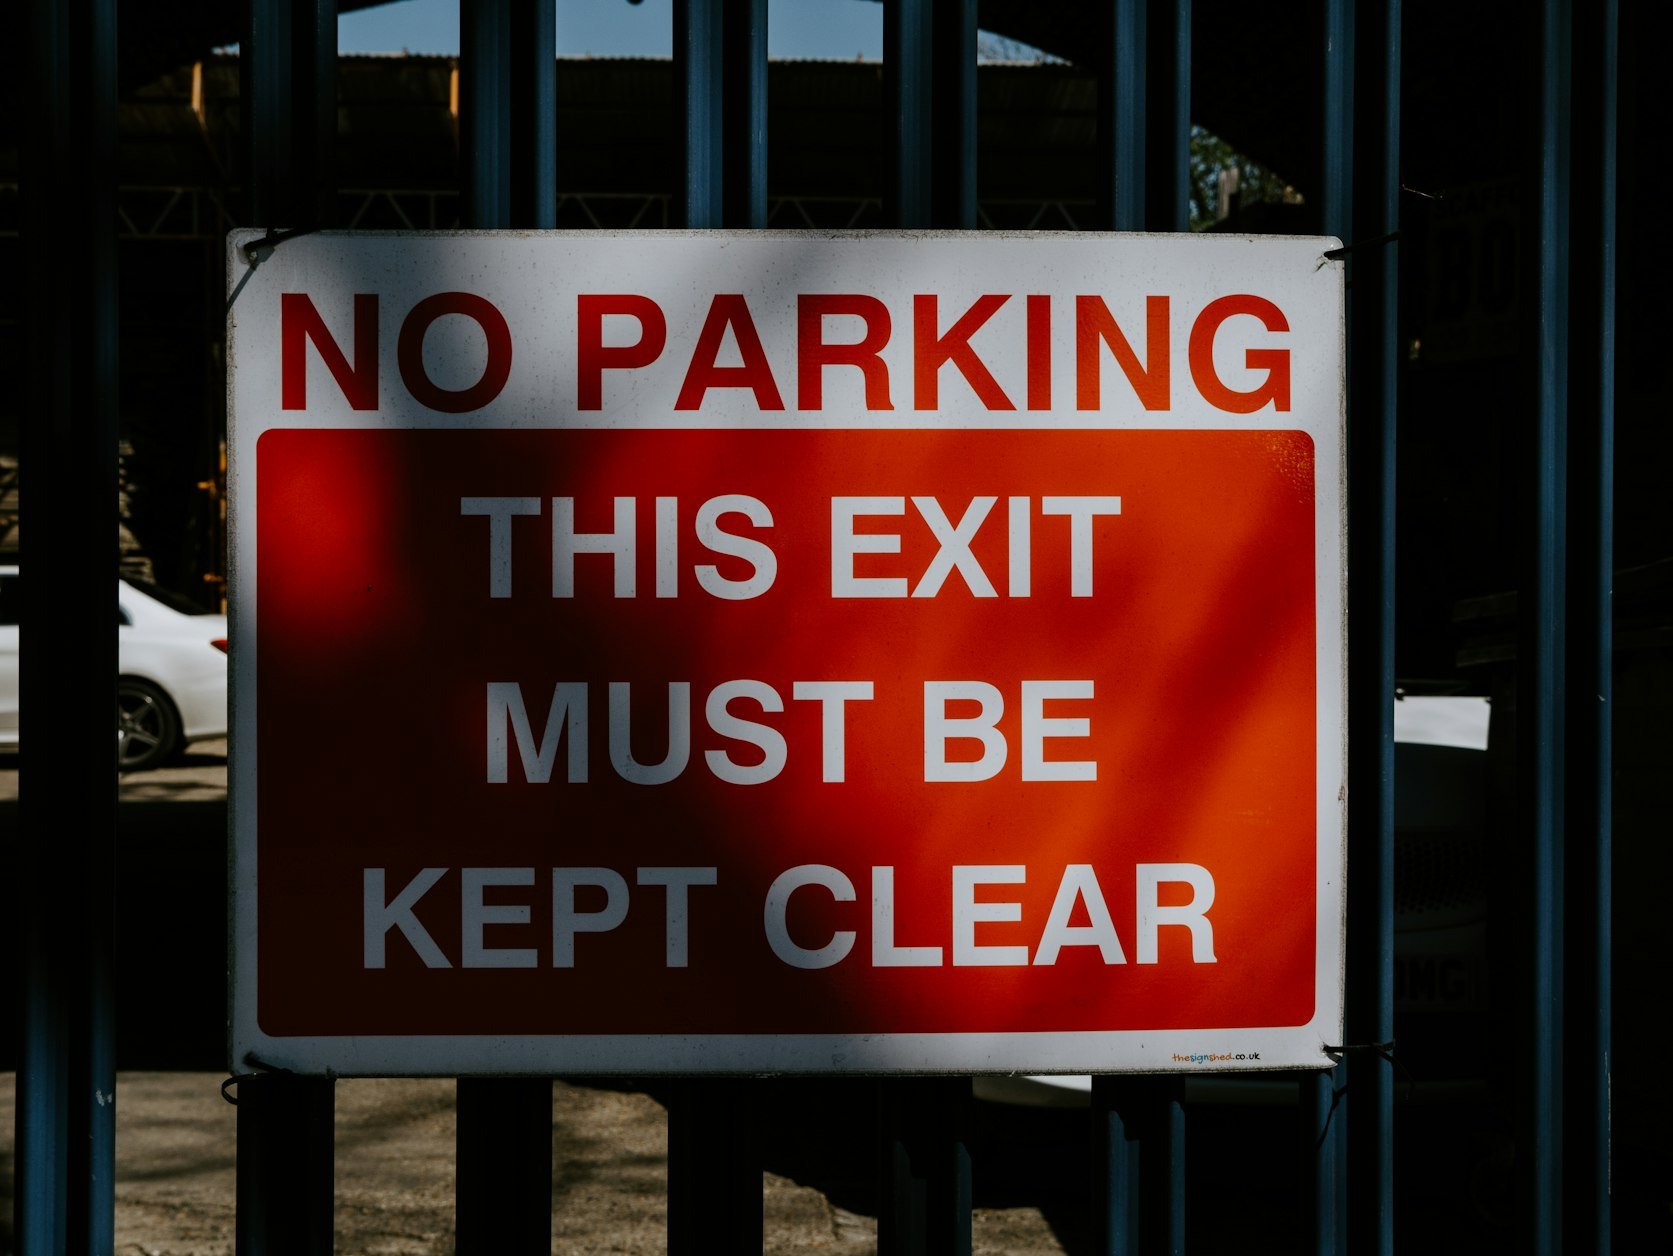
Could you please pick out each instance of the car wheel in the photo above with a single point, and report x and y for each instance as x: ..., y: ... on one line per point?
x: 147, y: 729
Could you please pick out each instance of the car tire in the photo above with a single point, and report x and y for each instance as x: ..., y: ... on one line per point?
x: 147, y: 726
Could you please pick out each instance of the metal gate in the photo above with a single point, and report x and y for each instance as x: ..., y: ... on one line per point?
x: 1344, y: 1124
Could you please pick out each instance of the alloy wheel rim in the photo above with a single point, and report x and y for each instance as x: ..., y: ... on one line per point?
x: 139, y: 724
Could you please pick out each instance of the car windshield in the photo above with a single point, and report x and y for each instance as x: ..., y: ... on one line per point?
x: 174, y: 601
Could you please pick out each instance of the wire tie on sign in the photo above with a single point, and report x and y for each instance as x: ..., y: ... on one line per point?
x: 257, y: 251
x: 1338, y: 255
x: 1382, y: 1050
x: 262, y: 1070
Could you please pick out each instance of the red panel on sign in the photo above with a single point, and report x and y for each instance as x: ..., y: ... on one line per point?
x: 1166, y: 650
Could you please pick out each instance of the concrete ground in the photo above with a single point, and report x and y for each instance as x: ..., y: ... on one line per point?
x: 395, y: 1138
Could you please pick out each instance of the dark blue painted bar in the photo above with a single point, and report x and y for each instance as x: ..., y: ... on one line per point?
x: 714, y: 1157
x: 1138, y: 1165
x: 1321, y: 1131
x: 1116, y: 1166
x: 1121, y: 116
x: 288, y: 73
x: 284, y: 1184
x: 909, y: 111
x: 1168, y: 114
x: 924, y: 1188
x: 953, y: 124
x: 503, y: 1158
x: 714, y: 1165
x: 1144, y: 126
x: 533, y: 117
x: 1588, y: 905
x: 1162, y: 1168
x: 925, y: 1193
x: 503, y: 1194
x: 1336, y: 183
x: 1373, y: 375
x: 64, y: 1187
x: 745, y: 121
x: 288, y: 94
x: 1365, y: 690
x: 314, y: 107
x: 265, y: 64
x: 1541, y: 654
x: 508, y: 113
x: 699, y: 102
x: 485, y: 153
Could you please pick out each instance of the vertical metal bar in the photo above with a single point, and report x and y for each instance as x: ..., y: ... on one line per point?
x: 714, y: 1166
x: 485, y: 129
x: 1139, y: 1127
x: 1541, y: 653
x: 1321, y: 1133
x: 288, y: 84
x: 1372, y: 60
x: 1162, y: 1167
x: 1115, y: 1171
x: 1336, y: 204
x: 953, y: 122
x: 65, y: 1137
x: 1336, y: 185
x: 503, y: 1138
x: 745, y: 121
x: 1588, y: 1223
x: 1138, y: 1164
x: 1121, y: 116
x: 699, y: 100
x: 925, y: 1200
x: 288, y: 96
x: 714, y: 1157
x: 925, y: 1191
x: 909, y: 109
x: 902, y: 1208
x: 314, y: 111
x: 284, y: 1186
x: 533, y: 117
x: 1168, y: 113
x: 503, y: 1166
x: 1339, y: 1132
x: 264, y: 78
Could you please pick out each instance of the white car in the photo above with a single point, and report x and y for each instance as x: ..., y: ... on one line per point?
x: 172, y: 663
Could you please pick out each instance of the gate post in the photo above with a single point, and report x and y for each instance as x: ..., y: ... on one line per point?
x: 66, y: 1122
x: 1588, y: 904
x: 925, y: 1200
x: 285, y: 1172
x: 507, y: 125
x: 714, y: 1165
x: 288, y: 96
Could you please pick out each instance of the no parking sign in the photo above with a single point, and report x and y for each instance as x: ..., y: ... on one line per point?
x: 856, y: 653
